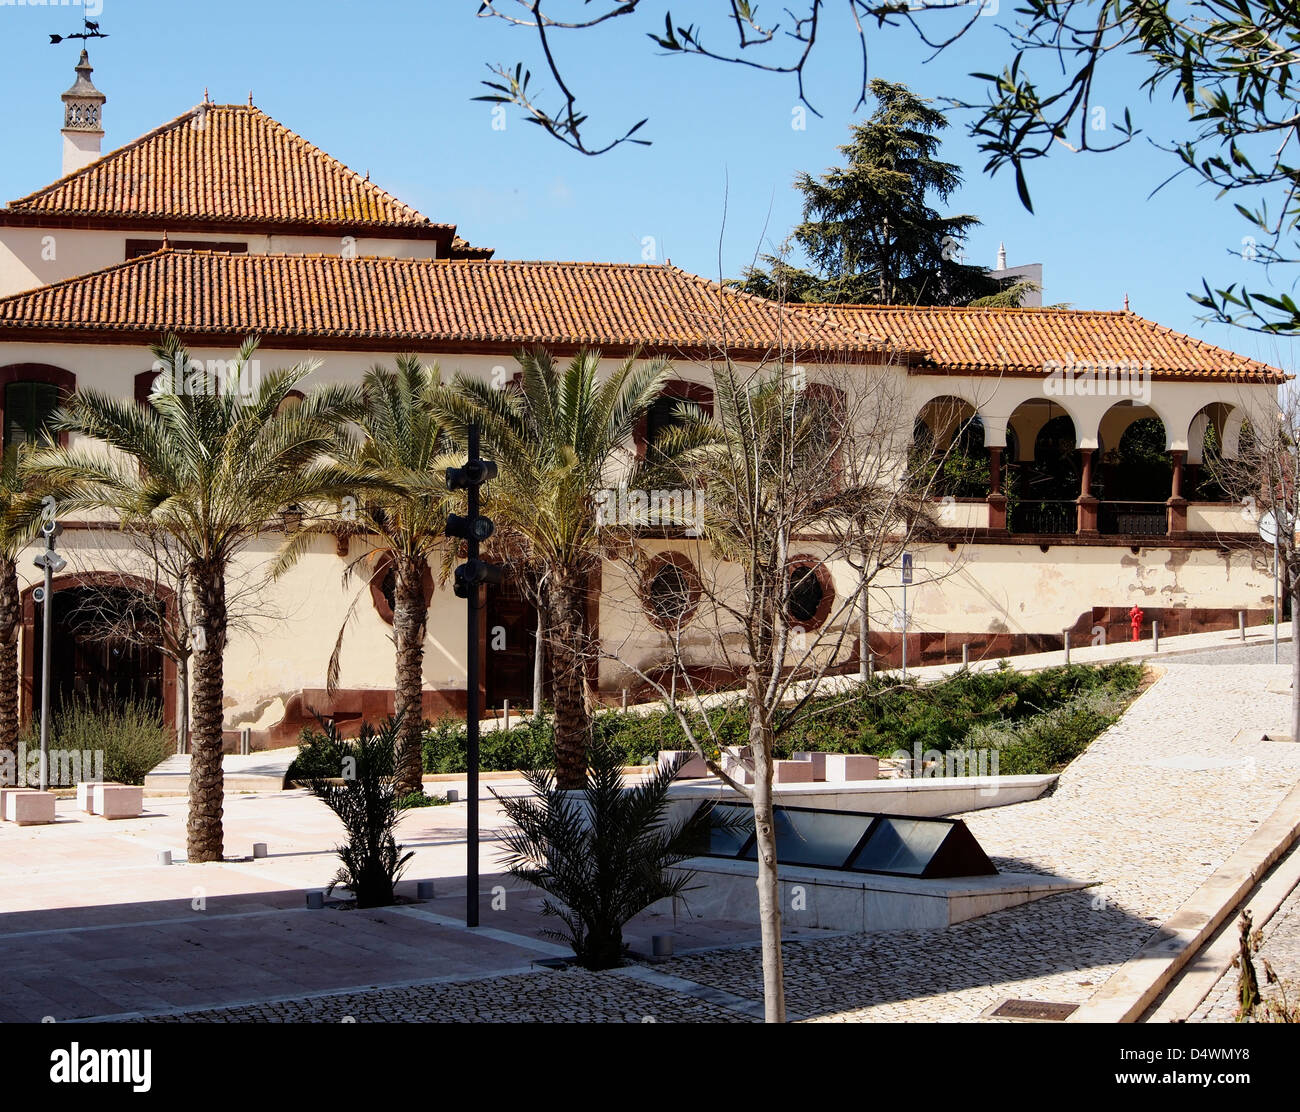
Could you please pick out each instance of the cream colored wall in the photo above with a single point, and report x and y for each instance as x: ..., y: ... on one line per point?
x: 978, y: 589
x: 32, y: 257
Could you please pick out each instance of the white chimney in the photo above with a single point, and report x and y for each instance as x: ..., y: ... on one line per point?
x: 83, y: 119
x: 1002, y: 257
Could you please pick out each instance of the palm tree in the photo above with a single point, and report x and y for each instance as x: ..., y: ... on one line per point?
x: 211, y: 462
x: 19, y: 523
x: 558, y: 437
x: 402, y: 441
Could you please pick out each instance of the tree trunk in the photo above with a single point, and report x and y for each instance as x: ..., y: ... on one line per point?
x: 566, y: 598
x: 539, y: 663
x: 182, y: 704
x: 769, y: 889
x: 1295, y: 655
x: 864, y: 633
x: 9, y: 626
x: 410, y: 616
x: 204, y: 831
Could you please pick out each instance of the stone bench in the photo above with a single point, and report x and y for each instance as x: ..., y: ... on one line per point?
x: 843, y: 768
x: 691, y: 764
x: 86, y: 794
x: 118, y: 801
x: 29, y: 808
x: 792, y: 772
x: 818, y: 761
x: 5, y: 793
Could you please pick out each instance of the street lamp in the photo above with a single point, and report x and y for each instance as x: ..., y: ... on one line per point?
x: 51, y: 563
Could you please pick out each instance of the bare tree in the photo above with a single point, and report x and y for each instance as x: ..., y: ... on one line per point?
x: 141, y: 596
x: 1264, y: 473
x: 798, y: 471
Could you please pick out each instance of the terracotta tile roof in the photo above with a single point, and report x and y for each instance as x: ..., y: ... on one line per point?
x: 1021, y: 341
x: 431, y: 304
x: 225, y: 164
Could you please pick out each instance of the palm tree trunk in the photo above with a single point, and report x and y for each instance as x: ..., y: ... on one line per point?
x: 204, y: 829
x: 769, y: 889
x: 410, y: 615
x: 9, y: 625
x: 566, y: 598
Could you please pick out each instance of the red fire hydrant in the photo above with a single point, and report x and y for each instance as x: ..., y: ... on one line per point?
x: 1135, y: 617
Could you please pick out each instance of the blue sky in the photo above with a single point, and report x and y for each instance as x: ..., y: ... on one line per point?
x: 387, y: 87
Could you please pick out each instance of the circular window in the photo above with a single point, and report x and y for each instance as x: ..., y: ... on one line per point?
x: 811, y: 593
x: 383, y: 588
x: 671, y: 590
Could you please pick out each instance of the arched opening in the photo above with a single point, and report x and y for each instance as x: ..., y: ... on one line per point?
x: 1044, y: 474
x: 1206, y: 452
x: 948, y: 457
x: 30, y: 393
x: 105, y: 648
x: 667, y: 411
x: 1136, y: 472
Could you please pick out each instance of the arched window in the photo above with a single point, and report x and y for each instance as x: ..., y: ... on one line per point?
x: 663, y: 413
x: 30, y: 394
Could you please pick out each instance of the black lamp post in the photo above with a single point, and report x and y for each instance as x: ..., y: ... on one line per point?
x: 50, y: 562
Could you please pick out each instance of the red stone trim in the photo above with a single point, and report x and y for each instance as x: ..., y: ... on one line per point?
x: 818, y: 567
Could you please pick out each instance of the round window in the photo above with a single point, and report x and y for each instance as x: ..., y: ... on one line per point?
x: 671, y: 591
x: 810, y: 597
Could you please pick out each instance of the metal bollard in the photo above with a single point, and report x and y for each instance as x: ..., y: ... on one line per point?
x: 245, y: 741
x: 965, y: 655
x: 1067, y: 646
x: 315, y: 900
x: 259, y: 850
x: 424, y: 889
x: 165, y: 857
x: 625, y: 699
x: 661, y: 945
x: 1155, y: 637
x: 453, y: 796
x: 506, y: 704
x: 1241, y: 623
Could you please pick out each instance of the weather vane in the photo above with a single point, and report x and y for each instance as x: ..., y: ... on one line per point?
x: 91, y: 31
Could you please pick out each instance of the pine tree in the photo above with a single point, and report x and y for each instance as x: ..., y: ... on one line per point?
x: 869, y: 232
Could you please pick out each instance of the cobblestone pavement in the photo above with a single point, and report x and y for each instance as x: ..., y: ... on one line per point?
x: 571, y: 995
x: 1150, y: 811
x: 1282, y: 950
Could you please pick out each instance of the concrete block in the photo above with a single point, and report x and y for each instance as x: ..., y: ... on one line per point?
x: 843, y: 768
x: 818, y: 762
x: 118, y: 801
x: 792, y: 772
x: 693, y: 766
x: 86, y: 794
x: 29, y: 808
x: 5, y: 793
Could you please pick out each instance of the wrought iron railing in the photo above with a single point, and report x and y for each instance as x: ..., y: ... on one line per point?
x: 1044, y: 517
x: 1133, y: 519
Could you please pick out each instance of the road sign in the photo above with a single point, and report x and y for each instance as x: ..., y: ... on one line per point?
x: 907, y: 568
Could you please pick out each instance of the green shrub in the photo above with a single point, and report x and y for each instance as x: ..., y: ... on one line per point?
x: 367, y: 805
x: 131, y: 735
x: 880, y: 716
x: 416, y: 800
x: 601, y: 855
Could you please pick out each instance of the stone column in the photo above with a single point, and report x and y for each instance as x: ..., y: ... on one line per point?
x: 1086, y: 502
x: 997, y: 500
x: 1176, y: 506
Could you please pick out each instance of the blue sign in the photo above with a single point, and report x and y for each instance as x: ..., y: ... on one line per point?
x: 907, y: 568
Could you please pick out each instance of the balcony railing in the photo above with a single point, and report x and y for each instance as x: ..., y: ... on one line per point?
x: 1133, y: 519
x: 1044, y: 517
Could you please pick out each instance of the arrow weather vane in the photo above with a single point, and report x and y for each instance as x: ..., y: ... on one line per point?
x: 91, y: 31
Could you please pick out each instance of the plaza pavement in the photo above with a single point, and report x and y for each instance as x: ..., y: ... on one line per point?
x: 91, y: 926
